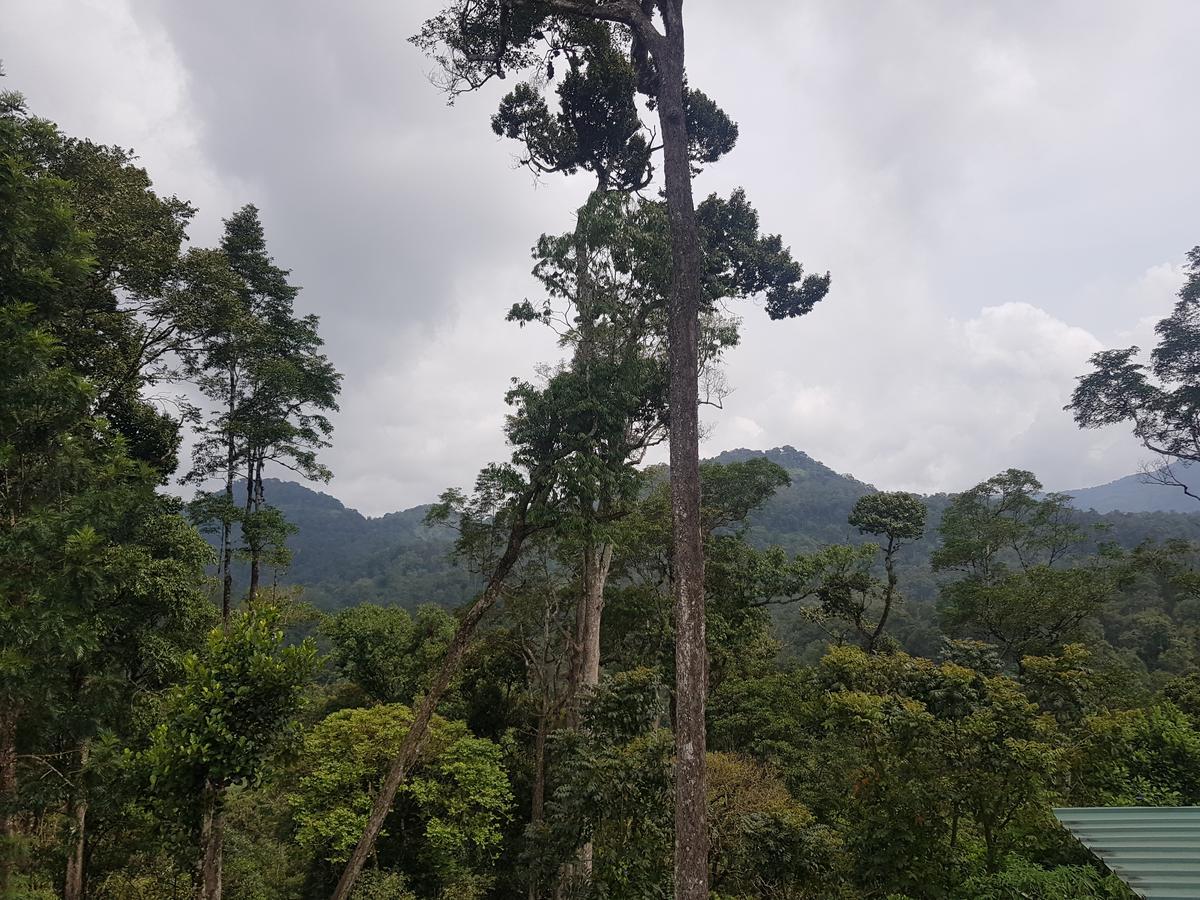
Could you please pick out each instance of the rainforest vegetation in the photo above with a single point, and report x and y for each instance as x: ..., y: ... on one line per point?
x: 581, y: 676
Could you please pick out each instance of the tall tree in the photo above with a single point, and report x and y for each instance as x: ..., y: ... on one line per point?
x: 1160, y: 400
x: 120, y: 325
x: 216, y: 363
x: 96, y: 564
x: 597, y: 129
x: 474, y: 42
x: 618, y: 338
x: 270, y: 386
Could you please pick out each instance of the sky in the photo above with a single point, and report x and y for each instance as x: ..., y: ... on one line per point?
x: 999, y: 189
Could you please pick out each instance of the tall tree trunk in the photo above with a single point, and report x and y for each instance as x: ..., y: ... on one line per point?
x: 226, y: 522
x: 596, y: 562
x: 73, y: 882
x: 418, y: 732
x: 588, y: 615
x: 249, y: 526
x: 8, y: 795
x: 256, y: 554
x: 212, y: 841
x: 538, y: 804
x: 691, y: 655
x: 991, y: 853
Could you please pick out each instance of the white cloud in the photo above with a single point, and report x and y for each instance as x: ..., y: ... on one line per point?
x: 994, y: 188
x: 1151, y: 298
x: 101, y: 70
x: 1020, y: 342
x: 970, y: 398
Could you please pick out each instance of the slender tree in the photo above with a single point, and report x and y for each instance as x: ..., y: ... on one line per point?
x: 898, y: 518
x: 476, y: 41
x: 291, y: 385
x: 261, y: 367
x: 510, y: 504
x: 216, y: 362
x: 597, y: 129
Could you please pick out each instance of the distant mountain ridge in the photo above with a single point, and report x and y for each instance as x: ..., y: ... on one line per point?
x: 1135, y: 493
x: 342, y: 557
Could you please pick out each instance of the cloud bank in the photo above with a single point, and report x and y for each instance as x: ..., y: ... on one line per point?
x: 998, y: 190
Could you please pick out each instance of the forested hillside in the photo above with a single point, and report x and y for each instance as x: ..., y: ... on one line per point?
x: 341, y: 557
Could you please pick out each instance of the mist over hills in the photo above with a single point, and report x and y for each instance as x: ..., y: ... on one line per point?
x: 342, y: 557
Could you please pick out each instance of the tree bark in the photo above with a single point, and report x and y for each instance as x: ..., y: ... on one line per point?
x: 212, y: 840
x: 418, y: 732
x: 889, y: 595
x: 596, y: 562
x: 691, y: 654
x: 991, y: 855
x: 8, y: 795
x: 538, y: 805
x: 587, y: 617
x: 73, y: 882
x: 256, y: 557
x: 249, y: 532
x: 226, y: 523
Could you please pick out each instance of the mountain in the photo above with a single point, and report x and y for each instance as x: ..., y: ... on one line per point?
x: 1136, y: 493
x: 342, y: 557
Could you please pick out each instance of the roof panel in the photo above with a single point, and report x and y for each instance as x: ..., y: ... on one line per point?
x: 1153, y: 849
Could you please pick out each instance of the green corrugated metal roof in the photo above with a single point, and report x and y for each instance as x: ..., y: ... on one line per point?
x: 1154, y: 849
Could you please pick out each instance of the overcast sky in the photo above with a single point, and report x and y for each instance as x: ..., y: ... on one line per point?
x: 998, y: 188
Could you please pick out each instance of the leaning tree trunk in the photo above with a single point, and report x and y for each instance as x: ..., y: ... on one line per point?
x: 212, y: 841
x: 418, y: 732
x: 691, y: 655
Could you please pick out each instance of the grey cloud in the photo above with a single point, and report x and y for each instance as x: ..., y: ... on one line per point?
x: 998, y: 188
